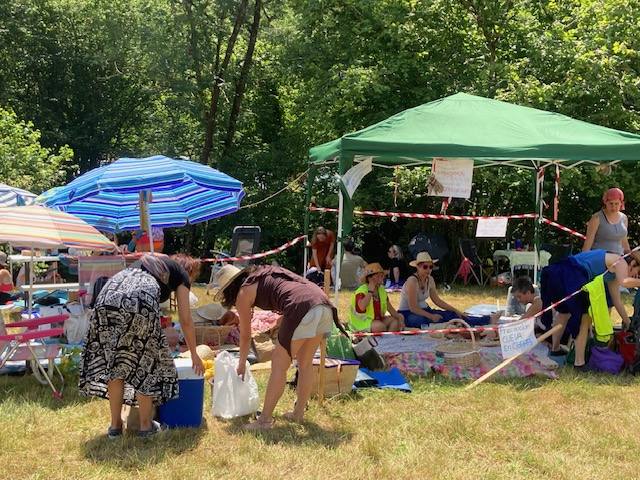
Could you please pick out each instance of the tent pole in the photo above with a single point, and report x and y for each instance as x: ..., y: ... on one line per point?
x: 310, y: 177
x: 336, y: 281
x: 537, y: 221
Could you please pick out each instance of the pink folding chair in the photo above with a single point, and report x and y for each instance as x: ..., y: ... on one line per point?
x: 27, y: 346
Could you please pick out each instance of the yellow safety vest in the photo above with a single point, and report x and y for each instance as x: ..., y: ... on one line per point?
x: 362, y: 321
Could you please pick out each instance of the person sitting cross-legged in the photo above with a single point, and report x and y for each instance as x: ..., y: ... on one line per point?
x: 370, y: 304
x: 420, y: 287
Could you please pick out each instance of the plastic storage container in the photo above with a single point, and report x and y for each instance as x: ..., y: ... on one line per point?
x: 186, y: 410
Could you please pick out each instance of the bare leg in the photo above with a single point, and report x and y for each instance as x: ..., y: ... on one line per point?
x: 145, y: 404
x: 560, y: 319
x: 378, y: 326
x: 116, y: 394
x: 303, y: 353
x: 581, y: 340
x: 280, y: 362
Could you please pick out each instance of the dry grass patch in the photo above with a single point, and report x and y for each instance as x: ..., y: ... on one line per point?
x: 580, y: 426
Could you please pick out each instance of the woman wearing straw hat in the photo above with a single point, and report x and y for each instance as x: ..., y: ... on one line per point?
x: 369, y: 304
x: 126, y: 357
x: 307, y: 316
x: 420, y: 287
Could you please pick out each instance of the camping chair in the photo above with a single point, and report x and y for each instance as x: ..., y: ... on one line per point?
x: 24, y: 346
x: 436, y: 245
x: 97, y: 268
x: 244, y: 241
x: 558, y: 252
x: 471, y: 263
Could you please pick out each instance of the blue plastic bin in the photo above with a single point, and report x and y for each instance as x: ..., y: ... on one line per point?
x: 186, y: 410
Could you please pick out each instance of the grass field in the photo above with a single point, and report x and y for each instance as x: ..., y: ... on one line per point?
x: 581, y: 426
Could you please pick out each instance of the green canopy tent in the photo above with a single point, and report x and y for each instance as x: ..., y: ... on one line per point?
x: 489, y: 131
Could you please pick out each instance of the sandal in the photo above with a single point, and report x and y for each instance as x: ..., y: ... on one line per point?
x: 258, y: 425
x: 113, y: 432
x: 291, y: 417
x: 155, y: 428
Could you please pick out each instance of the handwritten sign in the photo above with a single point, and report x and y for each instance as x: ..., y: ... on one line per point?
x: 492, y: 227
x: 516, y: 337
x: 452, y: 177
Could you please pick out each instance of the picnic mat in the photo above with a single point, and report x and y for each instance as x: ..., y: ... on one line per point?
x: 416, y: 355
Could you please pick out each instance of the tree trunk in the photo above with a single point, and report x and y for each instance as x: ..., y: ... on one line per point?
x: 218, y: 81
x: 242, y: 80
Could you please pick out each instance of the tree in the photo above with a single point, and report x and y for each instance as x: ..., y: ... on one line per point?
x: 24, y: 162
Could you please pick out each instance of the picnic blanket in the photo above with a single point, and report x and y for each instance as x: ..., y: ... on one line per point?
x: 416, y: 355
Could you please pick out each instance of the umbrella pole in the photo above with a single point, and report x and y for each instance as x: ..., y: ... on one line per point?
x: 30, y: 296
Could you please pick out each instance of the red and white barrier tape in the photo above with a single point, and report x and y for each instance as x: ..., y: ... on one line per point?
x: 433, y: 216
x: 562, y: 227
x: 257, y: 255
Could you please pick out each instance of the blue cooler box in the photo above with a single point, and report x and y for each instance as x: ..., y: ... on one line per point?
x: 186, y: 410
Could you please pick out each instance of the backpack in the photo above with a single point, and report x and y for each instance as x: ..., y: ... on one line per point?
x: 98, y: 285
x: 634, y: 329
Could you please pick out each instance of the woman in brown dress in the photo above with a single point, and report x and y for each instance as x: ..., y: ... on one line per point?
x: 307, y: 316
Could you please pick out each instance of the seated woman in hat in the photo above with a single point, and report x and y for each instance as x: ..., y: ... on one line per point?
x: 370, y: 304
x: 420, y: 287
x: 307, y: 316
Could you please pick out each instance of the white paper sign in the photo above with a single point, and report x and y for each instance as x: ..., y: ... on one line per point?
x: 516, y: 337
x: 453, y: 177
x: 492, y: 227
x: 355, y: 174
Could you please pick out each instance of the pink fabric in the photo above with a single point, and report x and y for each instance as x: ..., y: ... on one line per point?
x: 614, y: 194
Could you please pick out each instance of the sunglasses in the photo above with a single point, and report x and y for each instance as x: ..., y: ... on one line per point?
x: 425, y: 266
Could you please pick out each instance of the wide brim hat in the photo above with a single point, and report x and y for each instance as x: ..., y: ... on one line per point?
x: 422, y: 257
x: 223, y: 279
x: 210, y: 313
x: 371, y: 269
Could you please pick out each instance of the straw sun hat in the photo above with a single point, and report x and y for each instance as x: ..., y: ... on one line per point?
x: 371, y: 269
x: 223, y: 279
x: 208, y: 313
x: 422, y: 257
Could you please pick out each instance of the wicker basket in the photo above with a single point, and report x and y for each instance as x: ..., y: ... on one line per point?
x: 212, y: 335
x: 460, y: 353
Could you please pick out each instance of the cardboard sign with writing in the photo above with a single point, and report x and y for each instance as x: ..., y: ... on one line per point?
x: 517, y: 337
x: 452, y: 177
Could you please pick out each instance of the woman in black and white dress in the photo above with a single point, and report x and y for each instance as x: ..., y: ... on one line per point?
x: 126, y: 356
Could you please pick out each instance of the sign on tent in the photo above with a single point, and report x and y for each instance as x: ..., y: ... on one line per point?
x: 451, y: 177
x: 492, y: 227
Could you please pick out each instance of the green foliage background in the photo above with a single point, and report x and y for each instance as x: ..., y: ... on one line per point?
x: 109, y: 78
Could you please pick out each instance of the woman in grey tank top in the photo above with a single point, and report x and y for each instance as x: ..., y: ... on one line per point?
x: 607, y: 229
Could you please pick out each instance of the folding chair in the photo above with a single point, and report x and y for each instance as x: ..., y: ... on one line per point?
x: 23, y: 346
x: 471, y: 263
x: 244, y: 241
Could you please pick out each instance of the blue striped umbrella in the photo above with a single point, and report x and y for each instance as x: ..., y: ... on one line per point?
x: 15, y: 197
x: 183, y: 192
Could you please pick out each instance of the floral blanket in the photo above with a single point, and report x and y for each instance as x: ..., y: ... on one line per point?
x: 413, y: 355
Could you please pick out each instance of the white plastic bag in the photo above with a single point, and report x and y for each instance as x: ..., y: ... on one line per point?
x: 233, y: 397
x: 77, y: 325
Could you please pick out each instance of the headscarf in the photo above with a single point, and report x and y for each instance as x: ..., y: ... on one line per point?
x: 156, y: 267
x: 613, y: 194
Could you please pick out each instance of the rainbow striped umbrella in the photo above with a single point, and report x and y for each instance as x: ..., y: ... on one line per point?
x: 40, y: 227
